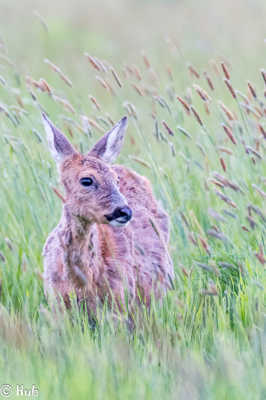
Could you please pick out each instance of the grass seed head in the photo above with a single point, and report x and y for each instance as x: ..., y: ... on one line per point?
x: 263, y: 73
x: 227, y: 112
x: 193, y: 71
x: 230, y: 87
x: 209, y: 81
x: 225, y: 71
x: 168, y: 129
x: 94, y: 62
x: 196, y: 115
x: 252, y: 90
x: 184, y: 104
x: 94, y: 101
x: 229, y: 133
x: 116, y: 77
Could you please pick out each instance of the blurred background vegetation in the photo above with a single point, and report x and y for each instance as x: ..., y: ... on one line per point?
x: 208, y: 338
x: 112, y: 29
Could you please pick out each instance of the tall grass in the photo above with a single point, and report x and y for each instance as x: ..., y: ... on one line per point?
x: 197, y: 131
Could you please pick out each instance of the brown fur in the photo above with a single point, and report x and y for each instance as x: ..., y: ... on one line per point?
x: 99, y: 262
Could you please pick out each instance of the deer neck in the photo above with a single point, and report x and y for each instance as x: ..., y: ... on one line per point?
x: 78, y: 227
x: 80, y: 245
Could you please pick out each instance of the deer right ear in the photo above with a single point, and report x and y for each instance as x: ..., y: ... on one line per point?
x: 109, y: 146
x: 58, y: 143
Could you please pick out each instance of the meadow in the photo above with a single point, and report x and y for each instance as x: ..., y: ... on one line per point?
x: 192, y: 79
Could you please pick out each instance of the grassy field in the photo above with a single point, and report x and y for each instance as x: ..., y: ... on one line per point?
x: 190, y: 77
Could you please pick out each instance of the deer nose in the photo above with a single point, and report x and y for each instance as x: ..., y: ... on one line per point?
x: 120, y: 215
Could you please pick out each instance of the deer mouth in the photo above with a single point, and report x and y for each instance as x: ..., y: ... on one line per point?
x: 120, y: 216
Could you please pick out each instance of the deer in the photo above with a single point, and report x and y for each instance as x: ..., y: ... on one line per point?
x: 111, y: 243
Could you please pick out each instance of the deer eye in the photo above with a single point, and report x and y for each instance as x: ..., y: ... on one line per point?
x: 86, y: 182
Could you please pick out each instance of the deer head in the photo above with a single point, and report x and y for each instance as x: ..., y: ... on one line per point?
x: 91, y: 186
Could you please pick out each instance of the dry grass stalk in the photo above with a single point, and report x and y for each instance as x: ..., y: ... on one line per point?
x: 206, y: 267
x: 184, y: 104
x: 140, y: 161
x: 229, y: 133
x: 226, y: 199
x: 41, y: 84
x: 94, y: 101
x: 195, y: 113
x: 184, y: 218
x: 59, y: 72
x: 252, y: 90
x: 225, y: 71
x: 209, y: 81
x: 259, y: 190
x: 9, y: 243
x: 138, y: 90
x: 192, y: 238
x: 116, y: 77
x: 94, y: 62
x: 185, y: 272
x: 2, y: 257
x: 205, y: 245
x: 230, y: 87
x: 227, y: 112
x: 249, y: 150
x: 217, y: 234
x: 65, y: 103
x: 227, y: 182
x: 217, y: 183
x: 59, y: 195
x: 263, y: 73
x: 201, y: 92
x: 214, y: 214
x: 105, y: 84
x: 225, y: 150
x: 262, y: 130
x: 146, y: 61
x: 2, y: 81
x: 249, y: 109
x: 257, y: 211
x: 193, y: 71
x: 243, y: 96
x: 251, y: 221
x: 259, y: 112
x: 45, y: 86
x: 4, y: 109
x: 131, y: 109
x: 260, y: 256
x: 136, y: 72
x: 206, y: 108
x: 168, y: 129
x: 182, y: 130
x: 95, y: 125
x: 110, y: 119
x: 102, y: 82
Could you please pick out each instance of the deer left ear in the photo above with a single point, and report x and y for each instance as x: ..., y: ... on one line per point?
x: 109, y: 146
x: 58, y: 143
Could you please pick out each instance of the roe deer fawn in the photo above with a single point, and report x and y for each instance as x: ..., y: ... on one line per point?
x: 111, y: 242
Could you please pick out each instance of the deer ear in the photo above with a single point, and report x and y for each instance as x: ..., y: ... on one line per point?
x: 58, y: 143
x: 109, y: 146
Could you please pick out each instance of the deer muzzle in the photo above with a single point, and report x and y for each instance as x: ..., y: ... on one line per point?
x: 120, y: 216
